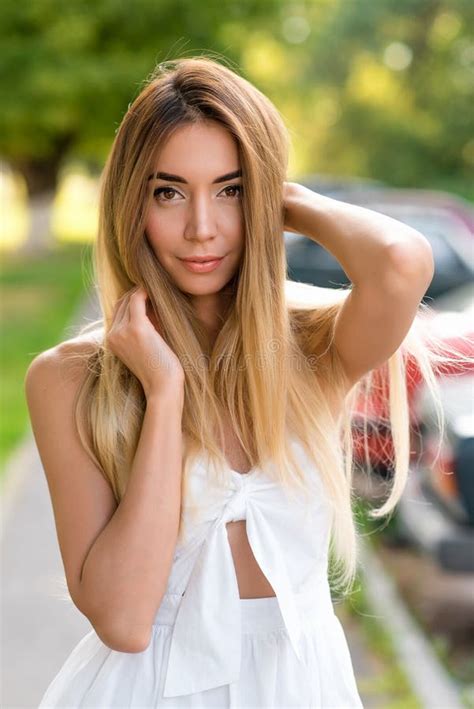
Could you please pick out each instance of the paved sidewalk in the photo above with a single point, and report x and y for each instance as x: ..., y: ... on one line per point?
x: 38, y: 630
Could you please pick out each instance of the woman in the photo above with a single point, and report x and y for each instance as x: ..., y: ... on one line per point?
x: 207, y: 467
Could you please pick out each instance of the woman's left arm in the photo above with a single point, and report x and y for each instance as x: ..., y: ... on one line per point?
x: 389, y: 264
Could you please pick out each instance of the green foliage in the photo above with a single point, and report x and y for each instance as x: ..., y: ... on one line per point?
x: 40, y: 293
x: 402, y: 70
x: 71, y: 69
x: 379, y: 89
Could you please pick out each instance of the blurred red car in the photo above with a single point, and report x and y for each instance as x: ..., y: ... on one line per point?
x: 451, y: 327
x: 436, y: 511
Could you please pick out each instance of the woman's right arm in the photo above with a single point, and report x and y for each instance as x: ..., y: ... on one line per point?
x: 125, y: 573
x: 117, y: 558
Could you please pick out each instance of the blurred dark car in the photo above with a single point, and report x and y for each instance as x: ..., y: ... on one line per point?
x: 436, y: 511
x: 458, y: 207
x: 445, y: 220
x: 334, y: 185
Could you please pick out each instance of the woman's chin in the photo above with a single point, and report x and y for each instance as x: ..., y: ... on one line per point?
x: 205, y: 286
x: 197, y: 289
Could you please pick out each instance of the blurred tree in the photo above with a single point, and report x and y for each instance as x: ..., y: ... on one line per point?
x: 379, y: 89
x: 69, y: 70
x: 402, y: 72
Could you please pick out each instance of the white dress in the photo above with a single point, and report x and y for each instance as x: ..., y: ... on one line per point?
x: 211, y: 648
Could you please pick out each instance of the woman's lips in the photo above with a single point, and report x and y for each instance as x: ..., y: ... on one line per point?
x: 203, y: 266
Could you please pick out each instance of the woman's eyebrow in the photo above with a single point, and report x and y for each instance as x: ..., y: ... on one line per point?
x: 176, y: 178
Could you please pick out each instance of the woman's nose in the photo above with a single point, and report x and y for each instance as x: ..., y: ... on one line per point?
x: 202, y: 222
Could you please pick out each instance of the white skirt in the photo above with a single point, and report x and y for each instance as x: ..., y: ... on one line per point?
x: 96, y: 677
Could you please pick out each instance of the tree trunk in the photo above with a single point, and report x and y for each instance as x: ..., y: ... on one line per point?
x: 41, y: 177
x: 39, y: 235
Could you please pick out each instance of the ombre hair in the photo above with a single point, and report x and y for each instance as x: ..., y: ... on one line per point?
x: 273, y: 364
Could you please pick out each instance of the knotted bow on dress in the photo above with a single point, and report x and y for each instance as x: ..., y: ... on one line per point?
x: 205, y: 649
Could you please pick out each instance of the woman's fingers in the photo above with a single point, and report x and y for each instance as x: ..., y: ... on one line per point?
x: 141, y: 308
x: 138, y: 343
x: 121, y: 310
x: 130, y: 304
x: 137, y: 303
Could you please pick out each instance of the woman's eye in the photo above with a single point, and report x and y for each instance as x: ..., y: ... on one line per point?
x: 162, y: 190
x: 234, y: 187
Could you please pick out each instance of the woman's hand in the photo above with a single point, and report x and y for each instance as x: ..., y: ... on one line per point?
x: 134, y: 338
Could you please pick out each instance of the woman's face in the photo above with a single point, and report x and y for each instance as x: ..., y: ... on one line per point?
x: 195, y: 209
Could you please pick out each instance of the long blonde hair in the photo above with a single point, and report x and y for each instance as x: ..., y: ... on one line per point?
x: 273, y: 363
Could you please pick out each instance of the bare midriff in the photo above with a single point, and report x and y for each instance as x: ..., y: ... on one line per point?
x: 251, y: 580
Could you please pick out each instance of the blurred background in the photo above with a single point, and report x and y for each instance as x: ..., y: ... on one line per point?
x: 378, y: 100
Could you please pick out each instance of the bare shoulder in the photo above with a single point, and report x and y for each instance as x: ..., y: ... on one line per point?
x: 64, y: 364
x: 52, y: 382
